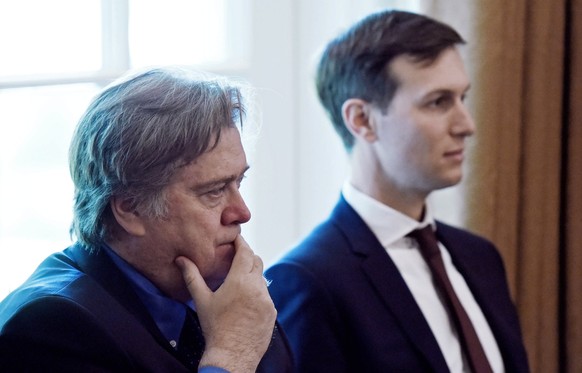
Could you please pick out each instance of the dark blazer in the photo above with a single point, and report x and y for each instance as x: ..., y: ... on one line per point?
x: 346, y: 308
x: 78, y: 313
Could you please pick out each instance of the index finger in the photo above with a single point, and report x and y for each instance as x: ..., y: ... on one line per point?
x: 244, y: 257
x: 194, y: 282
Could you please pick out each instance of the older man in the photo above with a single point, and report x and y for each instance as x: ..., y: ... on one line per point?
x: 160, y: 279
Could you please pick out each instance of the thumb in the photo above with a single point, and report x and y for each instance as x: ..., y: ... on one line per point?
x: 194, y: 282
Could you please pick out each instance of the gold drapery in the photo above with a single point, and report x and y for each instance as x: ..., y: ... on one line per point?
x: 524, y: 185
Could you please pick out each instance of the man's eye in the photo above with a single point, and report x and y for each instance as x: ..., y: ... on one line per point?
x: 239, y: 180
x: 217, y: 192
x: 439, y: 102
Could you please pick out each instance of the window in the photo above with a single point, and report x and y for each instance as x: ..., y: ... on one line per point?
x: 49, y: 37
x: 56, y: 55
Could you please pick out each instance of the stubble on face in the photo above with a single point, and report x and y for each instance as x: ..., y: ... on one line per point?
x: 205, y: 211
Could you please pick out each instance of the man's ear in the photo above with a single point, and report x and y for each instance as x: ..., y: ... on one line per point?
x: 356, y: 115
x: 127, y: 217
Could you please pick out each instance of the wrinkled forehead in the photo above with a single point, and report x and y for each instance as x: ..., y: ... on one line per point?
x: 225, y: 159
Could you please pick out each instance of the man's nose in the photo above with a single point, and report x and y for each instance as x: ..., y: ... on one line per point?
x: 236, y: 212
x: 463, y: 123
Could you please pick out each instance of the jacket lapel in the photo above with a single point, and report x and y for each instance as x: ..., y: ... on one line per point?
x: 100, y: 268
x: 489, y: 290
x: 389, y: 284
x: 475, y: 272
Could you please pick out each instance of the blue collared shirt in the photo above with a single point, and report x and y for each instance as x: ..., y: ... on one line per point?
x: 168, y: 314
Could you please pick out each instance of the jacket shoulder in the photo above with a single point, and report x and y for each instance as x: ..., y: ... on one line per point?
x: 54, y: 330
x: 63, y: 318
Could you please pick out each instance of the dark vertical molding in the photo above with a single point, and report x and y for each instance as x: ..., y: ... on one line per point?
x: 563, y: 216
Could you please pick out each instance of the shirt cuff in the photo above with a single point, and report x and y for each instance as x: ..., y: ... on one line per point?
x: 211, y: 369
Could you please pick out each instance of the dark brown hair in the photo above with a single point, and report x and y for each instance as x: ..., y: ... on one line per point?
x: 355, y: 64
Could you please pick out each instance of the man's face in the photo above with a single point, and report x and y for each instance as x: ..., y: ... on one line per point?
x: 421, y: 136
x: 205, y: 210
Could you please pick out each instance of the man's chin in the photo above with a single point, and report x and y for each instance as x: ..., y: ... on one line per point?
x: 217, y: 279
x: 214, y: 284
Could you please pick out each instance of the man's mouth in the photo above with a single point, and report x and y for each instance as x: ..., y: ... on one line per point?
x: 458, y: 155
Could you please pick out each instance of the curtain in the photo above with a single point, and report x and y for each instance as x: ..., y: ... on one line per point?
x: 523, y: 188
x: 571, y: 341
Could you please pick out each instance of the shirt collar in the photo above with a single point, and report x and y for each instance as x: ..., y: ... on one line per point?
x: 168, y: 314
x: 387, y: 224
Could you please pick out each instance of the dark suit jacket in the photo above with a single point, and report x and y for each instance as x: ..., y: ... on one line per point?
x: 78, y: 313
x: 346, y: 308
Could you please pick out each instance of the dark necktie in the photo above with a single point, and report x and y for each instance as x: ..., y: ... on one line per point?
x: 191, y: 344
x: 472, y: 348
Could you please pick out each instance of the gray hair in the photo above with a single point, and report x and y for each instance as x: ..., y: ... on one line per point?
x: 133, y: 137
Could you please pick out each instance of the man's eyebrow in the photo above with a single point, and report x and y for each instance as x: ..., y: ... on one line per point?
x: 446, y: 91
x: 222, y: 180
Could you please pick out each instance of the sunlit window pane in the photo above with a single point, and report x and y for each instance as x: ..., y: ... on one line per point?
x: 186, y: 32
x: 49, y: 37
x: 39, y: 42
x: 35, y: 187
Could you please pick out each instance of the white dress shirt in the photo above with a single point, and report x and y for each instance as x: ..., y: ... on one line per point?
x: 391, y: 227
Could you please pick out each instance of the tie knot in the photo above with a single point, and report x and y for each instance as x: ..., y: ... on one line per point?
x: 427, y: 241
